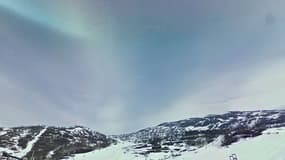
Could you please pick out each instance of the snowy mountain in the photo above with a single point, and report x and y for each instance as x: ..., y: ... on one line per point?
x: 218, y: 136
x: 268, y: 146
x: 44, y: 142
x: 194, y: 133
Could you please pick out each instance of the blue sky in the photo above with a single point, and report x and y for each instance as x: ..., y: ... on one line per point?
x: 119, y: 66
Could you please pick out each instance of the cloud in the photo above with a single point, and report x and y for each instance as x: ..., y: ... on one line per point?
x: 259, y: 87
x: 64, y: 82
x: 120, y: 67
x: 265, y: 87
x: 59, y: 92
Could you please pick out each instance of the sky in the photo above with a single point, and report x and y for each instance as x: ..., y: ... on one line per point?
x: 119, y: 66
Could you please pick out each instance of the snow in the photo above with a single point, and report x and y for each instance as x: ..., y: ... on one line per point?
x: 3, y: 132
x: 269, y: 146
x: 13, y: 141
x: 5, y: 150
x: 219, y: 141
x: 77, y: 130
x: 274, y: 116
x: 193, y: 128
x: 50, y: 154
x: 113, y: 152
x: 252, y: 123
x: 31, y: 144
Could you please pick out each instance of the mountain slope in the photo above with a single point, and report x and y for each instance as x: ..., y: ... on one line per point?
x: 215, y: 136
x: 50, y: 142
x: 18, y: 139
x: 268, y: 146
x: 175, y: 138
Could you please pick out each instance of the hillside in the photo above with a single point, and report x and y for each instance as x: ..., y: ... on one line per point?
x: 52, y: 143
x: 248, y: 134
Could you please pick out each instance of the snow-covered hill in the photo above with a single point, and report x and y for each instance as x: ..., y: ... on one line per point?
x: 194, y: 133
x: 250, y: 135
x: 19, y: 140
x: 50, y: 142
x: 268, y: 146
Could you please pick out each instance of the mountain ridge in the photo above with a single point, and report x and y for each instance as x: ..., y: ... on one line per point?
x: 51, y: 142
x: 172, y: 138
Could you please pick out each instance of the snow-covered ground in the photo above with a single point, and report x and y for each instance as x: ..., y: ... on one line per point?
x: 269, y: 146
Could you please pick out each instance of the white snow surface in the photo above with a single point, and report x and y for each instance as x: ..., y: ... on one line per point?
x: 192, y: 128
x: 269, y: 146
